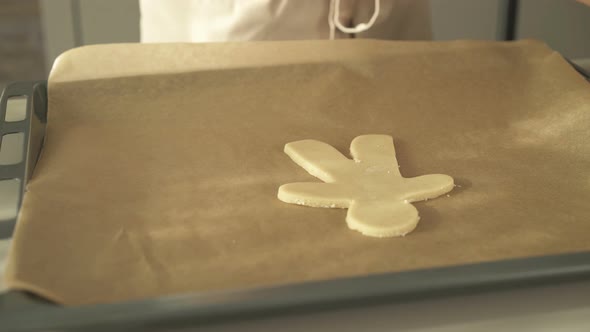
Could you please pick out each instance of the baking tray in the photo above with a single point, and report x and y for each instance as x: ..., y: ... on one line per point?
x: 20, y: 311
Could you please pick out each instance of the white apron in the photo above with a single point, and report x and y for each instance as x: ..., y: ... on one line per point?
x: 240, y: 20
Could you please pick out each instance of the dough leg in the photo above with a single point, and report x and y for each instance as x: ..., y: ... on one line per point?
x: 428, y: 186
x: 382, y: 219
x: 318, y: 158
x: 375, y: 149
x: 316, y: 194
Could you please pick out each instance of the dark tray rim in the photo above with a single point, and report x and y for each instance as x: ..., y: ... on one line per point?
x: 234, y: 306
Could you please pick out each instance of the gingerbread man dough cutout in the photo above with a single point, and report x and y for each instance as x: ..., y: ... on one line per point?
x: 370, y: 185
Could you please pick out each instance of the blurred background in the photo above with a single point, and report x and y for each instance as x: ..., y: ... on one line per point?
x: 22, y: 56
x: 34, y: 32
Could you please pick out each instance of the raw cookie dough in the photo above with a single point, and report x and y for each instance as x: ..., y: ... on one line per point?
x: 370, y: 186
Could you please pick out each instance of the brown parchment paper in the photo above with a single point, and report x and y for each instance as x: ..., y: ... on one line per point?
x: 162, y: 163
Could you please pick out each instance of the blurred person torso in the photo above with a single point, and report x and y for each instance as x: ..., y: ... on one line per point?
x: 241, y: 20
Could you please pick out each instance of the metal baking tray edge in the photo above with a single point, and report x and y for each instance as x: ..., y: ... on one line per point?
x: 20, y: 311
x: 33, y: 127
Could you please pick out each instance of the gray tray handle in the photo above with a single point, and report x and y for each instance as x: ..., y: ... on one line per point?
x: 33, y: 127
